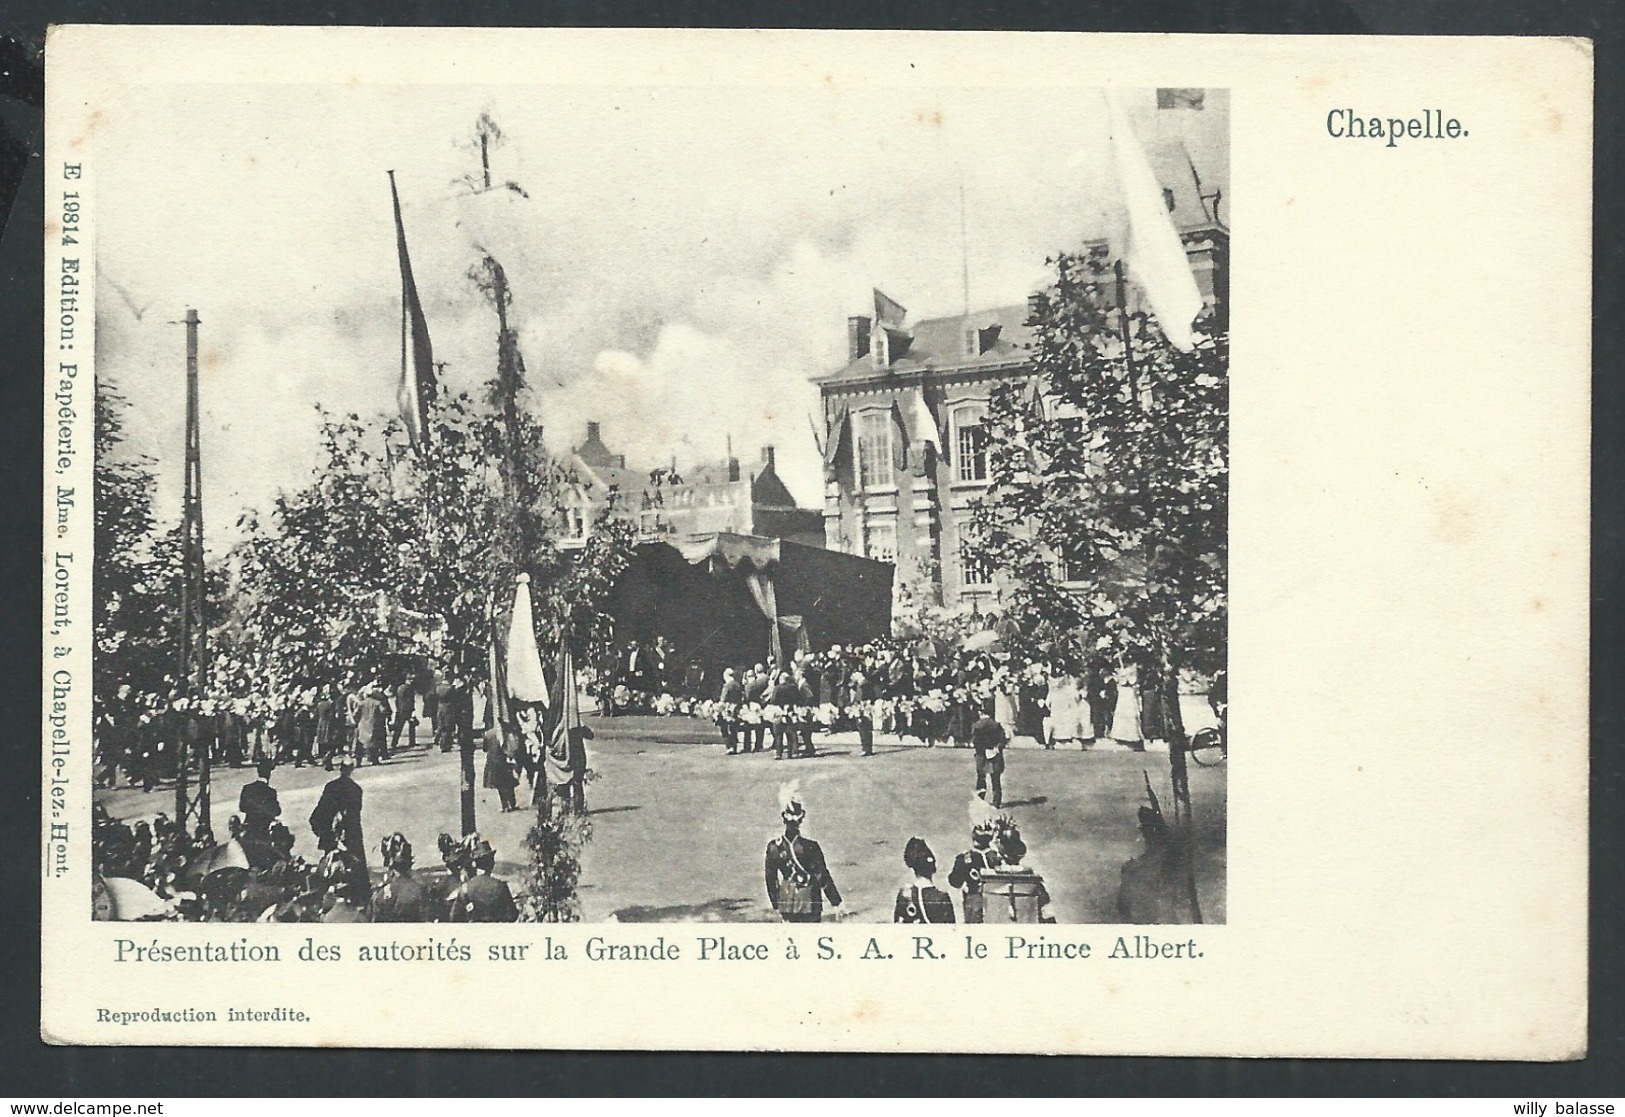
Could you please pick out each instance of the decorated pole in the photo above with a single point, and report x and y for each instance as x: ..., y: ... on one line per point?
x: 194, y: 627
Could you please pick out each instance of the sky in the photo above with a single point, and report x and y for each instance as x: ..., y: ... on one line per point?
x: 683, y: 259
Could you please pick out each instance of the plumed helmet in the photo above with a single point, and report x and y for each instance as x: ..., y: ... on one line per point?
x: 790, y: 804
x: 397, y: 851
x: 983, y: 819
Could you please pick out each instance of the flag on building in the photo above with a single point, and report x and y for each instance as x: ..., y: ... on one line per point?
x: 1147, y: 242
x: 417, y: 386
x: 1180, y: 99
x: 888, y: 311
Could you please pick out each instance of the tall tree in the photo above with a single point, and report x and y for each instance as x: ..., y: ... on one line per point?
x: 1107, y: 516
x: 135, y: 572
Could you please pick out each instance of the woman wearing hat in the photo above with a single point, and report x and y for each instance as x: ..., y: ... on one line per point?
x: 921, y: 901
x: 401, y: 899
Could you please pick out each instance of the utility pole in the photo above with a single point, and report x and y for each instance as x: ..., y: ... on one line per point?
x: 194, y: 622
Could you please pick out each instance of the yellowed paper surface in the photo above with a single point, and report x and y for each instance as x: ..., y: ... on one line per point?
x: 1406, y: 842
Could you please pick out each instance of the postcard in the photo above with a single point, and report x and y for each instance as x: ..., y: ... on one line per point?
x: 535, y: 517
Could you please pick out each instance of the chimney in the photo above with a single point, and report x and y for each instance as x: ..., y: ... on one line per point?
x: 592, y: 431
x: 767, y: 458
x: 733, y: 468
x: 857, y: 337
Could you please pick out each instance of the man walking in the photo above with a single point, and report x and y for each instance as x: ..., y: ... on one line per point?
x: 405, y: 695
x: 988, y: 738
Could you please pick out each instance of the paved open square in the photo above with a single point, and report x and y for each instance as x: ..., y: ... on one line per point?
x: 680, y: 827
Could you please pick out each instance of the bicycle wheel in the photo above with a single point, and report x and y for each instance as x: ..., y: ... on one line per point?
x: 1207, y: 747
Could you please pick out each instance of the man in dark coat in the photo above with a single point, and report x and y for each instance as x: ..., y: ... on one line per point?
x: 445, y: 721
x: 757, y: 687
x: 731, y: 698
x: 1100, y: 691
x: 860, y: 692
x: 988, y: 738
x: 258, y: 801
x: 798, y: 879
x: 787, y: 697
x: 327, y: 728
x: 405, y: 696
x: 336, y: 821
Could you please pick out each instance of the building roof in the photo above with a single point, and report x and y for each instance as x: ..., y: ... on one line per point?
x: 1003, y: 336
x: 941, y: 344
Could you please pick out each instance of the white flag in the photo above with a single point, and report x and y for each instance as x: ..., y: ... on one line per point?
x: 1151, y: 247
x: 925, y: 424
x: 526, y: 683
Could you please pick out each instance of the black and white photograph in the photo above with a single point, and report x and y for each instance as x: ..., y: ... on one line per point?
x: 614, y: 505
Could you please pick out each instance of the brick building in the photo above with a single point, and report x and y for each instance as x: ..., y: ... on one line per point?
x: 905, y: 454
x: 672, y: 506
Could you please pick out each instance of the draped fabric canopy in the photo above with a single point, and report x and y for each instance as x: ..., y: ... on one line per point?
x: 731, y: 549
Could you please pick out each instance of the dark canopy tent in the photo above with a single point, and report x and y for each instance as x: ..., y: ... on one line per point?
x: 711, y: 597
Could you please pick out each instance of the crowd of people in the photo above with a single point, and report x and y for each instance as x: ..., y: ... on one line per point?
x: 140, y: 739
x: 908, y: 689
x: 255, y: 875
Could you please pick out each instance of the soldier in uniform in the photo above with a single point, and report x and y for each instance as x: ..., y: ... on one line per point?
x: 798, y: 878
x: 966, y: 874
x: 401, y: 899
x: 860, y: 694
x: 786, y: 696
x: 481, y: 898
x: 756, y: 693
x: 920, y: 900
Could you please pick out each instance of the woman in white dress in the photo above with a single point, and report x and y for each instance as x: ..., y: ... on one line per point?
x: 1067, y: 716
x: 1126, y: 714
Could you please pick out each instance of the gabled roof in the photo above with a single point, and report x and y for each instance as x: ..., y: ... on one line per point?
x: 940, y: 343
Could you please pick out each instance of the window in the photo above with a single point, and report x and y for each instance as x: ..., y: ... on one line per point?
x: 880, y: 542
x: 575, y: 521
x: 970, y: 443
x: 1073, y: 568
x: 874, y: 449
x: 972, y: 570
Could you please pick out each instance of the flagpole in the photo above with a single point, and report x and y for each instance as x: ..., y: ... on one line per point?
x: 394, y: 194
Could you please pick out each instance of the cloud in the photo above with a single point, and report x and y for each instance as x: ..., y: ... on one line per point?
x: 682, y: 259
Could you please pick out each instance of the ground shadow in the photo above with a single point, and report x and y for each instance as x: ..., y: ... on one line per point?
x: 614, y: 810
x: 1035, y: 801
x: 712, y: 911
